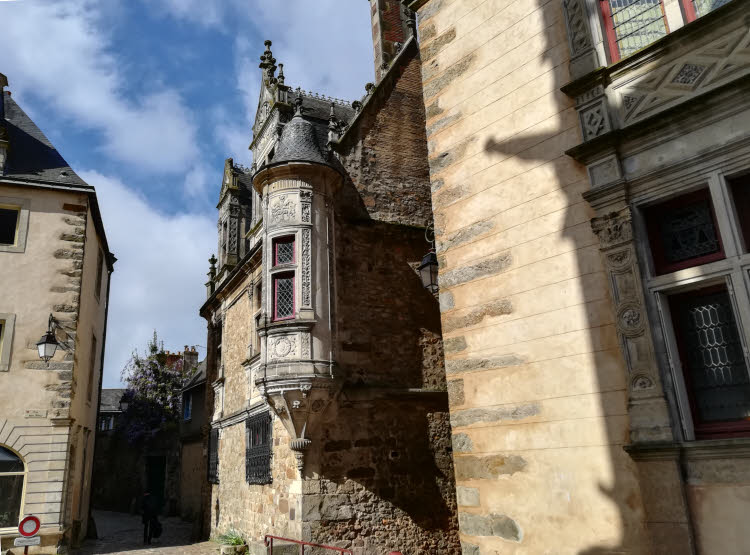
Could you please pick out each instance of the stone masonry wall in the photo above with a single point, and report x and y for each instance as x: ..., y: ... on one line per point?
x: 382, y: 479
x: 385, y: 152
x: 255, y: 510
x: 388, y: 324
x: 536, y: 379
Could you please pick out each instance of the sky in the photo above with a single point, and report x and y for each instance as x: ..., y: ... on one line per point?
x: 145, y: 99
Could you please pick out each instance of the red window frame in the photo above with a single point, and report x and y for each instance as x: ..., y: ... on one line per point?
x: 276, y: 278
x: 661, y: 266
x: 284, y: 240
x: 703, y: 430
x: 609, y: 28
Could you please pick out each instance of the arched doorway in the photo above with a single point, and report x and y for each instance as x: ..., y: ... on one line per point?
x: 12, y: 478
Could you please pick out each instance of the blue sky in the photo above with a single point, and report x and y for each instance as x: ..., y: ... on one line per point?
x: 145, y: 99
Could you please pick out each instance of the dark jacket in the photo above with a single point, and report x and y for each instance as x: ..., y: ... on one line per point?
x: 149, y: 508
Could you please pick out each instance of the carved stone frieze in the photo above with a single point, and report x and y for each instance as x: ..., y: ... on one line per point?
x: 579, y: 34
x: 283, y: 210
x: 698, y: 71
x: 305, y: 344
x: 614, y: 228
x: 595, y: 120
x: 306, y: 268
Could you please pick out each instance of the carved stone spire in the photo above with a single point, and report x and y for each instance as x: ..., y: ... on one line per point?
x: 268, y: 62
x: 280, y: 79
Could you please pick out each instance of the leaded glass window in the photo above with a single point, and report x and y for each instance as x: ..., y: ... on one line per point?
x: 8, y: 225
x: 683, y: 233
x: 713, y: 361
x: 283, y: 287
x: 258, y: 442
x: 633, y: 24
x: 283, y: 251
x: 11, y: 487
x: 213, y: 456
x: 702, y: 7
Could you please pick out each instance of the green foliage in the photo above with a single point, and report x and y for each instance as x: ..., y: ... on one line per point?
x: 232, y: 537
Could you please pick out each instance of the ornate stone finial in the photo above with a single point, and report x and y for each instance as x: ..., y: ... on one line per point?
x: 280, y: 79
x: 333, y: 127
x: 268, y: 62
x: 369, y: 87
x: 411, y: 22
x: 298, y: 106
x: 357, y: 105
x: 212, y: 269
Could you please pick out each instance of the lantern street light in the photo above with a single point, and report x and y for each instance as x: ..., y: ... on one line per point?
x: 428, y: 271
x: 47, y: 345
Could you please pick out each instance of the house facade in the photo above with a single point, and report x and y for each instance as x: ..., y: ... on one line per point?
x: 589, y: 166
x: 326, y: 385
x: 55, y: 268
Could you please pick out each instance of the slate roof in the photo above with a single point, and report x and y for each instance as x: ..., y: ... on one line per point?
x: 111, y: 400
x: 199, y: 377
x: 31, y: 157
x: 299, y: 143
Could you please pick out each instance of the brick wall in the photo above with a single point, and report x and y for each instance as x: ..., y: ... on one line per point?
x: 385, y: 152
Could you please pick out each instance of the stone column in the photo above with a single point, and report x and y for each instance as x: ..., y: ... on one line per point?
x: 651, y: 438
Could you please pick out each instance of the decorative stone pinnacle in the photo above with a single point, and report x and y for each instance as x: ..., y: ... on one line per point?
x: 298, y: 106
x: 212, y: 269
x: 369, y: 87
x: 281, y: 74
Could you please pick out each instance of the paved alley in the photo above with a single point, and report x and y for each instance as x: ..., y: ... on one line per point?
x: 122, y: 534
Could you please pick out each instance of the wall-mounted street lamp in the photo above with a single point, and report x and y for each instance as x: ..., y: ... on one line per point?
x: 428, y: 269
x: 47, y: 345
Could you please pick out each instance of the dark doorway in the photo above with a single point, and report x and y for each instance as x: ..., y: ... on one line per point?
x: 156, y: 468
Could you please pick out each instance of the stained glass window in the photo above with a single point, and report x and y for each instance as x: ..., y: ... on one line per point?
x: 633, y: 24
x: 702, y: 7
x: 683, y: 232
x: 284, y: 296
x: 283, y: 251
x: 11, y: 486
x: 258, y: 435
x: 714, y: 364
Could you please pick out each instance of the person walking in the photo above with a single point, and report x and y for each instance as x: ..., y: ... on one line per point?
x: 149, y: 512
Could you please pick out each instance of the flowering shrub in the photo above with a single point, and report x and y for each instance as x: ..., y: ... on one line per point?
x: 154, y: 391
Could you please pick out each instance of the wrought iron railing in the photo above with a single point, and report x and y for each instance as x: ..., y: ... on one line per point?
x: 268, y: 540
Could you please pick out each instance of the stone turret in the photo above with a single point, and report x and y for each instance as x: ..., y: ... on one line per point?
x: 297, y: 373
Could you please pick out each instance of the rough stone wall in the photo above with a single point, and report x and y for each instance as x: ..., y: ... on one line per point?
x: 382, y: 479
x: 235, y: 340
x: 388, y: 324
x: 536, y: 379
x: 255, y: 510
x: 191, y: 478
x: 385, y: 152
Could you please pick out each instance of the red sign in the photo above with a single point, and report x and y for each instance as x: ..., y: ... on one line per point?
x: 29, y: 526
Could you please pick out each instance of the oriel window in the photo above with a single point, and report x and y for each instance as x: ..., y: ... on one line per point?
x: 283, y: 251
x: 283, y: 293
x: 258, y: 441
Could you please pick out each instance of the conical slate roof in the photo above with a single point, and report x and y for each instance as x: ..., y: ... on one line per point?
x: 299, y: 143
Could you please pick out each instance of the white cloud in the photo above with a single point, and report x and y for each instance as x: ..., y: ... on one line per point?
x: 59, y: 52
x: 159, y: 276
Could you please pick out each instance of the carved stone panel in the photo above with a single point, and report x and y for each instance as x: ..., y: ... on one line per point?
x: 306, y: 268
x: 579, y: 34
x: 283, y: 209
x: 281, y: 347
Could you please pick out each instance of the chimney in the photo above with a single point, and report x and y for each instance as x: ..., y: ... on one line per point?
x: 3, y: 130
x: 391, y: 27
x: 190, y: 356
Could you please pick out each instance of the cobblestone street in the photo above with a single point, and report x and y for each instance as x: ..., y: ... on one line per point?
x: 122, y: 534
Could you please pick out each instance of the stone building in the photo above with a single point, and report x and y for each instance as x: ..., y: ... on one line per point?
x: 192, y: 456
x: 325, y: 364
x: 55, y: 271
x: 589, y: 166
